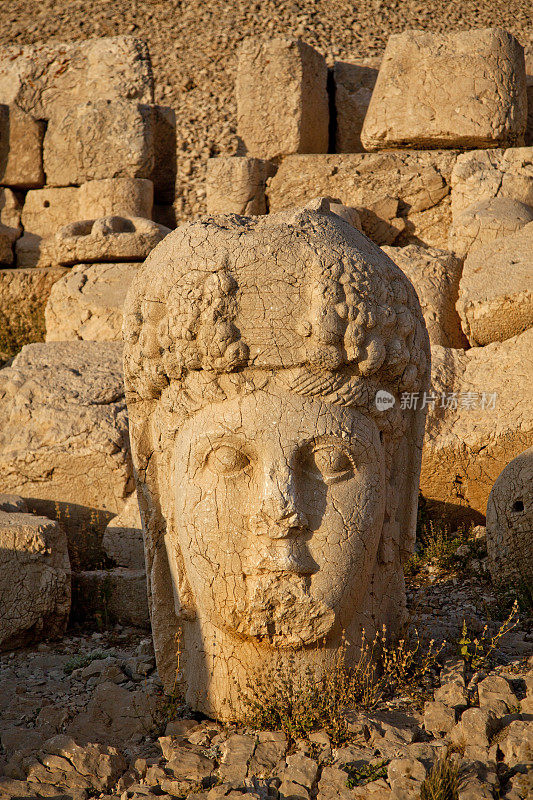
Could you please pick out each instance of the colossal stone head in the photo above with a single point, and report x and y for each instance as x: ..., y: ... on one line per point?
x: 278, y: 494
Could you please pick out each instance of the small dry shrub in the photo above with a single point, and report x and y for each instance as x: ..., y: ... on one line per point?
x: 443, y: 781
x: 283, y: 698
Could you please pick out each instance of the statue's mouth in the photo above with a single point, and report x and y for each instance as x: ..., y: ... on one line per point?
x: 279, y: 609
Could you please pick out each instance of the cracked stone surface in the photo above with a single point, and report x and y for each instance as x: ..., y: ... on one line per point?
x: 64, y: 435
x: 483, y: 422
x: 236, y: 185
x: 496, y: 291
x: 457, y: 89
x: 87, y: 303
x: 510, y: 525
x: 402, y: 197
x: 483, y: 223
x: 481, y: 175
x: 274, y: 74
x: 21, y: 149
x: 435, y: 274
x: 34, y: 576
x: 255, y: 347
x: 99, y: 139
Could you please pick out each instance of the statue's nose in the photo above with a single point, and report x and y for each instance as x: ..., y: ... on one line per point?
x: 279, y: 508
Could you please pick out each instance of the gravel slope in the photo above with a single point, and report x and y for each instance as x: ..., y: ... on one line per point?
x: 192, y: 43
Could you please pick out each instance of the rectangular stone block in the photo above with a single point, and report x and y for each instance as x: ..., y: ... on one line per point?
x: 23, y: 297
x: 165, y: 158
x: 100, y: 139
x: 44, y: 78
x: 64, y: 433
x: 236, y: 185
x: 126, y: 197
x: 354, y: 84
x: 21, y: 149
x: 528, y: 53
x: 402, y: 196
x: 282, y: 100
x: 44, y: 212
x: 459, y: 89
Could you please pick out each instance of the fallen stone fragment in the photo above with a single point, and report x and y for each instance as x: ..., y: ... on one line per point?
x: 480, y: 175
x: 439, y: 718
x: 87, y: 303
x: 236, y: 185
x: 476, y: 728
x: 516, y: 743
x: 65, y: 764
x: 496, y: 291
x: 452, y: 694
x: 435, y: 274
x: 402, y: 196
x: 46, y: 78
x: 235, y: 756
x: 115, y: 714
x: 21, y: 149
x: 123, y: 537
x: 106, y: 240
x: 509, y: 526
x: 34, y: 579
x: 282, y: 100
x: 458, y: 89
x: 64, y: 436
x: 480, y: 224
x: 495, y: 693
x: 479, y: 426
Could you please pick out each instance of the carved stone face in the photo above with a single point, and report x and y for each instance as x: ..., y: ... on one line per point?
x: 279, y: 507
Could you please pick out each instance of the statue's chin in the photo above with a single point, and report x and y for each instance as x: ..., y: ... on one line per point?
x: 278, y: 610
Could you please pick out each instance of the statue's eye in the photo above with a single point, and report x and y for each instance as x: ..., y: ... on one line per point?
x: 226, y: 460
x: 330, y: 462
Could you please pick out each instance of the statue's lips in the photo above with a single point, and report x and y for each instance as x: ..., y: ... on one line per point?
x: 279, y: 609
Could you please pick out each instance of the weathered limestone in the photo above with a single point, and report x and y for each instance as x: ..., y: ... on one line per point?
x: 163, y: 173
x: 403, y: 196
x: 10, y: 210
x: 467, y: 446
x: 282, y: 100
x: 87, y: 303
x: 126, y: 197
x: 509, y: 526
x: 21, y: 149
x: 277, y: 474
x: 118, y: 595
x: 435, y: 274
x: 23, y: 297
x: 481, y: 175
x: 107, y: 239
x: 45, y: 78
x: 236, y: 185
x: 6, y: 246
x: 43, y: 213
x: 100, y: 139
x: 34, y: 578
x: 496, y: 290
x: 64, y: 433
x: 483, y: 223
x: 528, y: 53
x: 459, y: 89
x: 123, y: 537
x: 354, y: 84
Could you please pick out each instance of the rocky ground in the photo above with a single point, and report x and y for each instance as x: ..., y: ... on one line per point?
x: 193, y: 49
x: 86, y: 716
